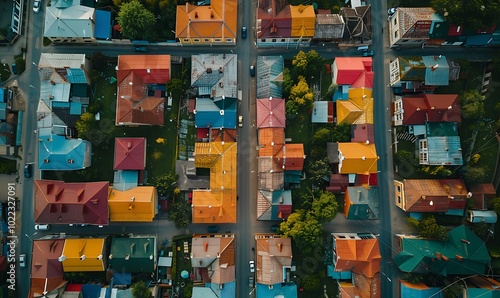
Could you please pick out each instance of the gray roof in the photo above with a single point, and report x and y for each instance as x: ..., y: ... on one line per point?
x: 329, y: 26
x: 68, y: 19
x: 269, y: 76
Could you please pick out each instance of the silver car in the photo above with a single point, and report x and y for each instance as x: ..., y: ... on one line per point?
x: 36, y: 6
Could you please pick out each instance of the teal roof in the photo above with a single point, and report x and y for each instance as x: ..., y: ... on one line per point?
x: 270, y: 70
x: 364, y: 202
x: 213, y: 290
x: 216, y: 113
x: 483, y: 293
x: 423, y: 68
x: 293, y: 176
x: 76, y: 76
x: 19, y: 129
x: 56, y: 152
x: 420, y: 255
x: 330, y: 272
x: 443, y: 144
x: 140, y: 252
x: 3, y: 110
x: 409, y: 292
x: 6, y: 129
x: 288, y: 290
x: 75, y: 108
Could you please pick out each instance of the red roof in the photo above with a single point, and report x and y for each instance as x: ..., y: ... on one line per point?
x: 74, y: 287
x: 362, y: 133
x: 415, y: 110
x: 130, y: 154
x: 443, y: 108
x: 338, y: 183
x: 202, y: 133
x: 271, y: 112
x: 352, y: 70
x: 45, y: 263
x: 57, y: 202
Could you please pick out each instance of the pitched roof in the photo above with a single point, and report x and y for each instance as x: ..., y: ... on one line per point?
x: 433, y: 70
x: 217, y: 255
x: 83, y: 254
x: 329, y: 26
x: 69, y: 21
x: 361, y: 202
x: 358, y: 21
x: 443, y: 107
x: 218, y: 20
x: 322, y: 112
x: 357, y: 158
x: 134, y: 254
x: 45, y: 256
x: 216, y: 113
x: 130, y: 154
x: 138, y: 204
x: 274, y: 204
x: 350, y: 70
x: 58, y: 202
x: 415, y: 110
x: 414, y: 20
x: 463, y: 253
x: 218, y: 204
x: 56, y: 152
x: 303, y: 20
x: 270, y: 70
x: 419, y: 290
x: 480, y: 193
x: 271, y: 175
x: 39, y: 286
x: 271, y: 112
x: 274, y: 19
x: 273, y: 253
x: 358, y: 109
x: 361, y: 133
x: 357, y: 254
x: 443, y: 144
x: 215, y: 75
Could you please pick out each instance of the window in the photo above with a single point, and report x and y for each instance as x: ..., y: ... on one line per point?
x: 282, y: 40
x: 229, y: 40
x: 396, y: 34
x: 206, y: 40
x: 399, y: 199
x: 196, y: 40
x: 395, y: 21
x: 295, y: 40
x: 186, y: 39
x: 217, y: 40
x: 405, y: 40
x: 274, y: 40
x: 399, y: 188
x: 263, y: 40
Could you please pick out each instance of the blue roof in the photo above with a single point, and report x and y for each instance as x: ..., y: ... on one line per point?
x: 3, y: 110
x: 417, y: 292
x: 54, y: 152
x: 337, y: 274
x: 76, y: 76
x: 60, y: 104
x: 2, y: 95
x: 342, y: 93
x: 288, y: 290
x: 122, y: 278
x: 215, y: 113
x: 455, y: 212
x: 91, y: 291
x: 102, y: 28
x: 437, y: 76
x: 5, y: 130
x: 293, y: 176
x: 443, y: 144
x: 75, y: 108
x: 479, y: 40
x: 212, y: 290
x: 125, y: 180
x: 483, y: 293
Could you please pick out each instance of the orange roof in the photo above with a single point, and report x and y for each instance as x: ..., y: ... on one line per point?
x: 218, y: 20
x: 218, y: 204
x: 293, y: 159
x: 273, y: 253
x: 357, y: 158
x: 271, y: 141
x: 83, y: 254
x: 39, y: 286
x: 358, y: 109
x: 138, y: 204
x: 216, y: 253
x: 361, y: 256
x: 285, y: 157
x: 303, y: 20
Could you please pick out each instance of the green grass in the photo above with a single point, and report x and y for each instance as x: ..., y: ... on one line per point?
x: 4, y: 72
x: 20, y: 63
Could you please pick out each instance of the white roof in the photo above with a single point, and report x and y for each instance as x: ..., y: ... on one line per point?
x: 70, y: 20
x: 61, y: 60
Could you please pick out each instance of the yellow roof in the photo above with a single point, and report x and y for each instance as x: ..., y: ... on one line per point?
x: 83, y: 254
x: 138, y: 204
x: 217, y: 205
x: 303, y: 20
x: 217, y: 20
x: 358, y: 109
x: 357, y: 158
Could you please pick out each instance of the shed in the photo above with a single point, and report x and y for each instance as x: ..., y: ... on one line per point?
x: 486, y: 216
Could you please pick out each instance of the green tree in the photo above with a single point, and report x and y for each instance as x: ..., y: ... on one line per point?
x: 341, y: 133
x: 324, y: 207
x: 287, y: 83
x: 136, y: 21
x: 427, y: 227
x: 180, y: 212
x: 302, y: 94
x: 165, y: 184
x: 319, y: 171
x: 475, y: 14
x: 475, y: 174
x: 85, y: 124
x: 321, y: 136
x: 305, y: 230
x: 140, y: 290
x: 306, y: 64
x: 292, y: 109
x: 300, y: 63
x: 175, y: 86
x: 435, y: 170
x: 480, y: 229
x: 496, y: 205
x: 311, y: 282
x: 403, y: 155
x: 472, y: 104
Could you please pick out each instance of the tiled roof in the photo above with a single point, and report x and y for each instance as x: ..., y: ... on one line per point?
x: 130, y: 154
x: 272, y: 255
x: 215, y: 75
x: 274, y: 205
x: 303, y: 20
x: 412, y: 19
x: 83, y: 254
x: 433, y: 70
x: 358, y: 255
x: 138, y: 204
x: 273, y: 19
x: 357, y: 158
x: 58, y: 202
x: 217, y: 255
x: 45, y: 256
x: 358, y: 109
x: 361, y: 133
x: 415, y: 110
x: 46, y: 285
x: 329, y: 26
x: 443, y: 107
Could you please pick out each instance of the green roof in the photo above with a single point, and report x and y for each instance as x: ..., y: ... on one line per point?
x: 133, y: 254
x: 464, y: 253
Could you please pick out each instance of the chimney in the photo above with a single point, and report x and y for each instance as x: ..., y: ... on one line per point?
x: 205, y: 246
x: 433, y: 68
x: 127, y: 257
x: 99, y: 257
x: 280, y: 246
x: 445, y: 257
x: 62, y: 258
x: 438, y: 255
x: 132, y: 199
x: 447, y: 188
x: 459, y: 257
x: 465, y: 241
x: 110, y: 256
x: 363, y: 158
x: 460, y: 188
x: 450, y: 107
x: 83, y: 257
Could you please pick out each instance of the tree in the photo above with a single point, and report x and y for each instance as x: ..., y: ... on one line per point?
x: 427, y: 227
x: 412, y: 277
x: 140, y: 290
x: 306, y: 64
x: 292, y: 108
x: 175, y: 86
x: 475, y: 14
x: 85, y: 124
x: 311, y: 282
x: 165, y: 184
x: 324, y: 207
x: 403, y: 155
x: 321, y: 136
x: 341, y: 133
x: 480, y: 229
x: 136, y: 21
x: 435, y: 170
x: 287, y: 83
x: 320, y: 171
x: 472, y: 104
x: 180, y: 212
x: 305, y: 230
x: 475, y: 174
x: 301, y: 93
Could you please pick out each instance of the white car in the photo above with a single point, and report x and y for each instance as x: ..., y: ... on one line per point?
x: 252, y: 266
x: 42, y: 227
x: 240, y: 121
x: 22, y: 260
x: 36, y: 6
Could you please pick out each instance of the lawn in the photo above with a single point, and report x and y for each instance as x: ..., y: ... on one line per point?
x: 4, y: 72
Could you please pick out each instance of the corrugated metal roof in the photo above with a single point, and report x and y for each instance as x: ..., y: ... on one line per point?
x: 269, y: 76
x: 102, y: 24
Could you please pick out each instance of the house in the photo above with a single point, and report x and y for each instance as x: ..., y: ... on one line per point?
x: 328, y: 27
x: 271, y: 112
x: 430, y: 70
x: 419, y: 109
x: 288, y: 290
x: 463, y: 253
x: 135, y: 254
x: 46, y: 269
x: 270, y: 78
x: 439, y: 144
x: 83, y: 254
x: 358, y: 23
x: 273, y: 259
x: 215, y: 75
x: 67, y: 21
x: 130, y: 154
x: 217, y: 113
x: 303, y: 22
x: 139, y: 204
x: 102, y: 25
x: 411, y: 26
x: 356, y: 258
x: 357, y: 109
x: 431, y: 195
x: 285, y: 156
x: 481, y: 194
x: 484, y: 216
x: 59, y: 153
x: 215, y: 24
x: 408, y: 289
x: 217, y: 204
x: 141, y: 90
x: 481, y: 286
x: 357, y: 158
x: 58, y: 202
x: 213, y: 259
x: 353, y: 71
x: 362, y: 133
x: 322, y: 112
x: 361, y: 203
x: 274, y: 204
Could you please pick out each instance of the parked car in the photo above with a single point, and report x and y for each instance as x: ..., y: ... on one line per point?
x: 368, y: 54
x: 391, y: 11
x: 275, y: 228
x: 240, y: 121
x: 252, y: 266
x: 44, y: 227
x: 36, y: 6
x: 14, y: 68
x: 141, y: 49
x: 22, y: 260
x: 252, y: 70
x: 28, y: 169
x: 244, y: 32
x: 213, y: 229
x: 250, y: 282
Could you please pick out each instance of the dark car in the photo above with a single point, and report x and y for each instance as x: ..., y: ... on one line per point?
x: 368, y: 54
x: 213, y: 229
x: 252, y: 70
x: 141, y: 49
x: 243, y: 32
x: 250, y: 282
x: 14, y: 68
x: 28, y: 169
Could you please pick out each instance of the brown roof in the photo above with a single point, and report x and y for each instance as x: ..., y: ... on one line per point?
x: 273, y: 253
x: 57, y: 202
x: 271, y: 112
x: 45, y: 263
x: 223, y: 135
x: 285, y: 157
x: 362, y: 133
x: 481, y: 193
x: 361, y: 256
x: 216, y: 253
x: 130, y: 154
x: 41, y: 285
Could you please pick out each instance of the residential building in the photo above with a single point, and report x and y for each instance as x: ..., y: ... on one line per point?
x: 322, y: 112
x: 361, y: 202
x: 11, y: 118
x: 362, y: 133
x: 353, y: 71
x: 135, y: 254
x: 357, y: 158
x: 419, y: 109
x: 57, y: 152
x: 215, y: 75
x: 217, y: 204
x: 130, y: 154
x: 83, y: 255
x: 356, y: 267
x: 329, y: 27
x: 427, y: 70
x: 481, y: 194
x: 271, y: 112
x: 274, y: 204
x: 213, y: 261
x: 431, y: 195
x: 270, y: 78
x: 138, y: 204
x: 357, y: 109
x: 408, y: 289
x: 210, y: 25
x: 463, y: 253
x: 46, y: 269
x: 303, y: 22
x: 272, y: 266
x: 484, y: 216
x: 58, y: 202
x: 215, y: 113
x: 438, y: 144
x: 358, y: 26
x: 67, y: 21
x: 141, y: 81
x: 411, y: 26
x: 481, y: 286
